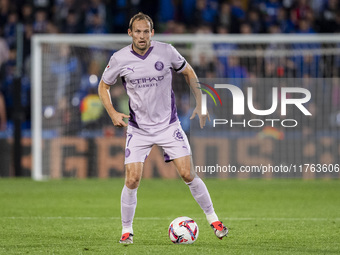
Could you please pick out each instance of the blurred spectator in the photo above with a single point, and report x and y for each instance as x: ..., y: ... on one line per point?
x: 65, y: 76
x: 180, y: 28
x: 205, y: 48
x: 247, y: 60
x: 166, y: 11
x: 286, y: 25
x: 256, y: 24
x: 317, y: 6
x: 3, y: 118
x: 304, y: 27
x: 329, y: 17
x: 4, y: 52
x: 45, y: 5
x: 27, y: 14
x: 206, y: 67
x: 308, y: 65
x: 274, y: 66
x: 40, y: 21
x: 51, y: 28
x: 71, y: 24
x: 245, y: 28
x: 271, y: 9
x: 310, y: 17
x: 95, y: 14
x: 204, y: 29
x: 288, y: 4
x: 8, y: 80
x: 122, y: 11
x: 63, y: 9
x: 28, y: 32
x: 91, y: 109
x: 234, y: 71
x: 174, y: 27
x: 120, y: 99
x: 274, y: 29
x: 301, y: 10
x: 7, y: 76
x: 170, y: 27
x: 224, y: 17
x: 187, y: 10
x: 221, y: 30
x: 205, y: 13
x: 184, y: 112
x: 10, y: 29
x: 89, y: 80
x: 63, y: 68
x: 269, y: 69
x: 222, y: 52
x: 4, y: 10
x: 25, y: 95
x: 335, y: 94
x: 238, y: 16
x: 257, y: 4
x: 151, y: 7
x: 96, y: 25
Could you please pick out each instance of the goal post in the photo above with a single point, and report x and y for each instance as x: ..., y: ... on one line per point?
x: 36, y: 109
x: 70, y: 133
x: 37, y: 84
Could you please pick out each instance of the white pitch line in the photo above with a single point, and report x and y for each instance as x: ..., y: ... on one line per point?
x: 283, y: 219
x: 162, y: 218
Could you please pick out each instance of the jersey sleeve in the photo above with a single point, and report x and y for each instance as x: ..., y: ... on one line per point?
x: 111, y: 71
x: 178, y: 62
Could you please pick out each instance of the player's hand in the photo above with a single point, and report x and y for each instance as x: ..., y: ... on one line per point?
x: 118, y: 119
x: 202, y: 118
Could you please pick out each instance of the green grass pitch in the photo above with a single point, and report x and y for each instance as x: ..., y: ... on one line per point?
x: 83, y: 217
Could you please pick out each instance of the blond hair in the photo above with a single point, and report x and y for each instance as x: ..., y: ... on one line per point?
x: 140, y: 16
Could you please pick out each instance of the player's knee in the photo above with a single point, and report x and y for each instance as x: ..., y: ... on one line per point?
x: 132, y: 182
x: 187, y: 176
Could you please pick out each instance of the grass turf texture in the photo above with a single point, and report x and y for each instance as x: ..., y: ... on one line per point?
x: 83, y: 217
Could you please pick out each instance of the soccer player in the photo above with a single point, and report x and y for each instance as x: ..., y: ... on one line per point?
x: 145, y: 68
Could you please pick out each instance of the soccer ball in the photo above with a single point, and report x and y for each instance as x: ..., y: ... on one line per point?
x: 183, y: 230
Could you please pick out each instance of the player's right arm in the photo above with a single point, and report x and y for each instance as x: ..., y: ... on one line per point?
x: 105, y: 96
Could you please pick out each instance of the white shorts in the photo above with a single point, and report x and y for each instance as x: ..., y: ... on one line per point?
x: 172, y: 140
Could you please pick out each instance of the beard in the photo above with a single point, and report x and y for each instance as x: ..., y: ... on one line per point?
x: 141, y: 47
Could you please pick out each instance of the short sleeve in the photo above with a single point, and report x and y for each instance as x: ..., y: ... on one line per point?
x: 178, y: 62
x: 111, y: 71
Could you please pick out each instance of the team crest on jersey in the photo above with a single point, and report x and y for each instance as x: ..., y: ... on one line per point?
x: 178, y: 135
x: 159, y: 65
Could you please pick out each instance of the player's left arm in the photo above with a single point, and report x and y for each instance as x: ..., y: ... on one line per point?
x: 192, y: 80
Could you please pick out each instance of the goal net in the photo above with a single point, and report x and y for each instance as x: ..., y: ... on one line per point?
x: 273, y: 100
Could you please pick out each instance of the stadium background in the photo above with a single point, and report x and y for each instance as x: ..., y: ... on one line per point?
x: 91, y: 153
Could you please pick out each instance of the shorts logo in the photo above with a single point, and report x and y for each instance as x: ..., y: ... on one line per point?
x: 159, y: 66
x: 127, y: 152
x: 178, y: 135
